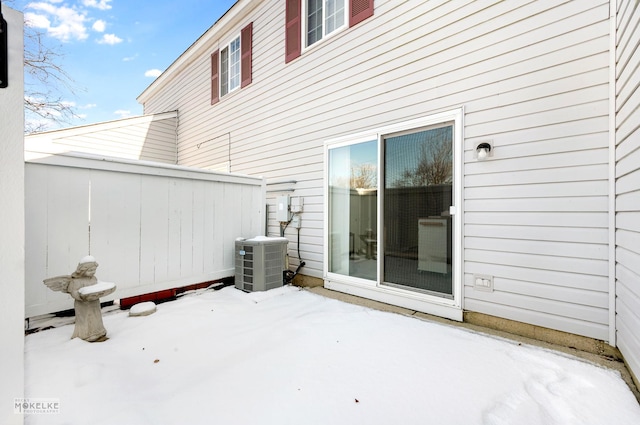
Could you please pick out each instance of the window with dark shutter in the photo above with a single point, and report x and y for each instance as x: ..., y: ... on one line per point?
x: 293, y: 38
x: 318, y: 20
x: 246, y: 36
x: 359, y: 10
x: 215, y: 80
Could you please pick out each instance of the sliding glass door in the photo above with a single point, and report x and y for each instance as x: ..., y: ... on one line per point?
x: 417, y: 196
x: 353, y: 210
x: 391, y: 200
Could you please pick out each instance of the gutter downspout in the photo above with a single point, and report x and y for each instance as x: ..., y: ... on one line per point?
x: 613, y: 7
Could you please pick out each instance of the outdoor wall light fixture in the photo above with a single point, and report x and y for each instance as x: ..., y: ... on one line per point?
x: 4, y: 52
x: 484, y: 150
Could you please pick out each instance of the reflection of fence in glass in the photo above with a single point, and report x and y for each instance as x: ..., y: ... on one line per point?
x: 403, y: 207
x: 353, y: 222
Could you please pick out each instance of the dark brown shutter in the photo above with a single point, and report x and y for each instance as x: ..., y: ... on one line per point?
x: 292, y: 30
x: 359, y: 10
x: 246, y: 47
x: 215, y: 72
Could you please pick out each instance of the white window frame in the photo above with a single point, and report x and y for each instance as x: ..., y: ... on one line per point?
x: 304, y: 28
x: 439, y: 306
x: 226, y: 76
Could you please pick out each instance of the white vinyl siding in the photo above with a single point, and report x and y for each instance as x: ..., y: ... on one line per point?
x: 532, y: 77
x: 628, y: 183
x: 148, y: 138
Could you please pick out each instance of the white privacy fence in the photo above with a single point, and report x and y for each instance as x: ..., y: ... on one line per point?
x: 150, y: 226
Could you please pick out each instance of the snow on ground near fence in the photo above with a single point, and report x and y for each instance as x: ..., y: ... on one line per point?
x: 288, y: 356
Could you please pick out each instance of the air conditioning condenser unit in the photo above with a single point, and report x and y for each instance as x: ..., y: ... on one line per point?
x: 260, y: 263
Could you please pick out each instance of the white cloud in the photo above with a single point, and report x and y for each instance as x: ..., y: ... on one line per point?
x: 68, y: 103
x: 36, y: 21
x: 98, y: 4
x: 110, y: 39
x: 153, y: 73
x: 99, y: 25
x: 61, y: 22
x: 88, y: 106
x: 130, y: 58
x: 123, y: 113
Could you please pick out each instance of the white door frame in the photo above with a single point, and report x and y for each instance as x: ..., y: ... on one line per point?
x: 449, y: 308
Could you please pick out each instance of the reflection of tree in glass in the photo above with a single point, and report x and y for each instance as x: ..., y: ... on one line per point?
x: 363, y: 176
x: 434, y: 166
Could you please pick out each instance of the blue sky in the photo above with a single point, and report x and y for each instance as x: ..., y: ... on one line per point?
x: 113, y: 49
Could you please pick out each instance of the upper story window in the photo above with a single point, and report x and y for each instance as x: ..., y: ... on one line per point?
x: 323, y: 17
x: 309, y: 21
x: 231, y: 65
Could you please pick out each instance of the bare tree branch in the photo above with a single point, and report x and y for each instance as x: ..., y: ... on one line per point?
x: 47, y: 84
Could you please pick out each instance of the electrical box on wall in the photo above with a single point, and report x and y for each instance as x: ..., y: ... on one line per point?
x: 282, y: 208
x: 483, y: 282
x: 296, y: 204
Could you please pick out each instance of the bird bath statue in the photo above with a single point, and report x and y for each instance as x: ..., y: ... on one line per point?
x: 86, y: 290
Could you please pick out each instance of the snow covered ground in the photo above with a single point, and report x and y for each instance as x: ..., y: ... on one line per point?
x: 288, y: 356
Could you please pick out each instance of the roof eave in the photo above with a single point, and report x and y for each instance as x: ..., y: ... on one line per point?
x: 239, y: 9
